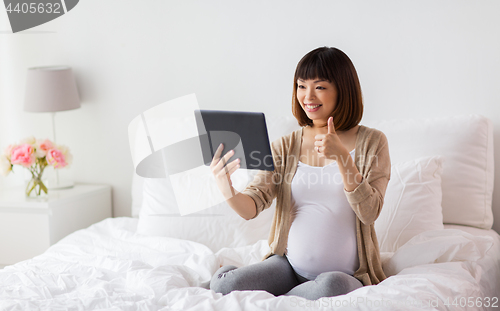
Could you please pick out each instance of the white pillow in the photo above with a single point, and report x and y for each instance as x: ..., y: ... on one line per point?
x: 468, y: 172
x: 412, y: 202
x: 216, y: 227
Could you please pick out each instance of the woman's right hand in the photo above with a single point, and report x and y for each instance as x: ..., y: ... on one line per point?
x: 223, y: 172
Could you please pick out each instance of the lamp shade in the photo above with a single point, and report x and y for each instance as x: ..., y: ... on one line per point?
x: 50, y: 89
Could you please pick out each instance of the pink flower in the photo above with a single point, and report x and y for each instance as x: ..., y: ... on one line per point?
x: 43, y: 146
x: 68, y: 157
x: 56, y: 158
x: 23, y: 155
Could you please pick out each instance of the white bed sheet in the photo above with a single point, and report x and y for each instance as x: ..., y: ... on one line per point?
x: 108, y: 267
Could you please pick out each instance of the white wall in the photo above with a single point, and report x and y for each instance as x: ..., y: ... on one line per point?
x: 414, y: 58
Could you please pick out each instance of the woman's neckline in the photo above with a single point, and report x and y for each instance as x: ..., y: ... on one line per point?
x: 334, y: 162
x: 361, y: 128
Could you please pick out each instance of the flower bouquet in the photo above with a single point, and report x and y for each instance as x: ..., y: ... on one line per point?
x: 35, y: 155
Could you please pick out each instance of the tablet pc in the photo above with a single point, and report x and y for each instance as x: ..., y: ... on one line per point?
x: 243, y: 132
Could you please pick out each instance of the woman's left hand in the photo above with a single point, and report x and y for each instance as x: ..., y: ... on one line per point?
x: 329, y: 145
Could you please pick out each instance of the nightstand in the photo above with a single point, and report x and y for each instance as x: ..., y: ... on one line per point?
x: 28, y: 227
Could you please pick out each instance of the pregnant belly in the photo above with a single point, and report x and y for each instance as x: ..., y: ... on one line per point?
x: 321, y: 241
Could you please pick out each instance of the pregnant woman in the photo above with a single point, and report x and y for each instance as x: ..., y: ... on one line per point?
x: 329, y: 181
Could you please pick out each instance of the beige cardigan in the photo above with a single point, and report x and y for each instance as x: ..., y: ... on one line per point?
x: 373, y: 162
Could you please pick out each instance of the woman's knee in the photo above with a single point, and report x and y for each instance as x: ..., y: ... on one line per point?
x: 274, y: 275
x: 339, y: 282
x: 222, y: 281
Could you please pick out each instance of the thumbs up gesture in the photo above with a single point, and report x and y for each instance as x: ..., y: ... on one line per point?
x: 329, y: 145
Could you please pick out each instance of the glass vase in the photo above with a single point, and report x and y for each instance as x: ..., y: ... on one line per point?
x: 36, y: 189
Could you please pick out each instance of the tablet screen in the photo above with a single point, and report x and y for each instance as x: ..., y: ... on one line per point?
x: 243, y: 132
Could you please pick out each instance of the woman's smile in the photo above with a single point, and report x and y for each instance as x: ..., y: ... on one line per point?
x: 312, y: 107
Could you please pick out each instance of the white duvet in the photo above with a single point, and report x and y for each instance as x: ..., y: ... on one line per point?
x: 108, y: 267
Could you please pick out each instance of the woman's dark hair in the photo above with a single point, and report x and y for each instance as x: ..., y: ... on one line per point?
x: 333, y: 65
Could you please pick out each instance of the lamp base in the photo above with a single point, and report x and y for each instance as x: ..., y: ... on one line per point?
x: 62, y: 184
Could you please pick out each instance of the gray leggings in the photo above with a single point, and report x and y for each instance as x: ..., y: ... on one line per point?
x: 276, y: 276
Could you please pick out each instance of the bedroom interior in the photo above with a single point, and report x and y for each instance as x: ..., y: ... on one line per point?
x: 429, y: 71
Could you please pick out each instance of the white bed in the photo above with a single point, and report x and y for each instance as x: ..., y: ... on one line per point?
x: 108, y: 266
x: 148, y: 263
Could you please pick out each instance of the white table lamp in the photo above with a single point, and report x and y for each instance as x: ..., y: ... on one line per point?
x: 51, y: 89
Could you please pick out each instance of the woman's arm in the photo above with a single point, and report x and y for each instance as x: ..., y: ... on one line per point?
x: 329, y: 146
x: 365, y: 190
x: 243, y: 205
x: 222, y: 171
x: 263, y: 189
x: 256, y: 197
x: 367, y: 198
x: 351, y: 176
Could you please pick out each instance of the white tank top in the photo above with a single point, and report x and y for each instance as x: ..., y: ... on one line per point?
x: 322, y: 236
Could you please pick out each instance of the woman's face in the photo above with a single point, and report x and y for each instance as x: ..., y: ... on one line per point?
x: 318, y: 98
